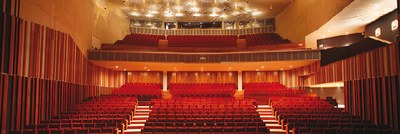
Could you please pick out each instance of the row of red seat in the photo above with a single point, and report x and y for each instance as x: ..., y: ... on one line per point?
x: 302, y: 114
x: 69, y: 131
x: 204, y: 124
x: 202, y: 41
x: 208, y: 90
x: 140, y: 40
x: 163, y: 117
x: 103, y: 114
x: 140, y: 90
x: 217, y: 129
x: 297, y: 111
x: 264, y: 39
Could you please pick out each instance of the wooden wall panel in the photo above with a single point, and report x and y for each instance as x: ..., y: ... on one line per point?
x: 375, y: 99
x: 145, y: 77
x: 290, y: 78
x: 43, y: 73
x: 380, y: 62
x: 371, y: 84
x: 261, y: 76
x: 202, y: 77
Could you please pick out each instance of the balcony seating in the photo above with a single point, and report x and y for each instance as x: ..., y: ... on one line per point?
x: 145, y: 91
x: 202, y: 89
x: 140, y: 40
x: 204, y: 115
x: 264, y: 39
x: 202, y: 41
x: 98, y: 115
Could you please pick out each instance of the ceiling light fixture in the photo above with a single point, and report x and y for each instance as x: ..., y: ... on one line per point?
x: 135, y: 13
x: 223, y: 16
x: 149, y: 15
x: 214, y: 15
x: 196, y: 14
x: 255, y: 12
x: 179, y: 14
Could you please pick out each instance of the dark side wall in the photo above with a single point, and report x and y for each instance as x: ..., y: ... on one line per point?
x: 385, y: 23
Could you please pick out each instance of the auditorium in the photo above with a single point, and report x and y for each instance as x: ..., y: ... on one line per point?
x: 200, y: 66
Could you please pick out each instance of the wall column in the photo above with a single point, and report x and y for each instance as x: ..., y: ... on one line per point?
x: 240, y: 81
x: 165, y: 80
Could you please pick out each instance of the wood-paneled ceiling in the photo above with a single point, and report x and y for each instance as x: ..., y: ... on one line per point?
x: 201, y: 10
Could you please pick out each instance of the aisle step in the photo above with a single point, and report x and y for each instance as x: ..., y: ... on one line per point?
x: 264, y: 106
x: 266, y: 115
x: 139, y: 119
x: 136, y: 125
x: 277, y: 131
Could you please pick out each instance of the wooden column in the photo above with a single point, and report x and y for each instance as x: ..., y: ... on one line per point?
x: 240, y: 81
x: 165, y: 80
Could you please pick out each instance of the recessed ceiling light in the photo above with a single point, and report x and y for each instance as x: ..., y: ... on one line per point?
x: 179, y: 14
x: 256, y: 13
x: 290, y: 66
x: 281, y: 68
x: 124, y: 69
x: 223, y: 16
x: 149, y: 15
x: 145, y: 67
x: 347, y: 32
x: 116, y: 66
x: 196, y: 14
x: 148, y: 69
x: 234, y: 13
x: 256, y: 69
x: 135, y: 13
x: 323, y: 36
x: 262, y: 66
x: 213, y: 15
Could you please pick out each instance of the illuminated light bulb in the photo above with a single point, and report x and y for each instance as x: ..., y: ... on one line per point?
x: 196, y: 14
x: 135, y: 14
x: 179, y: 14
x: 149, y: 15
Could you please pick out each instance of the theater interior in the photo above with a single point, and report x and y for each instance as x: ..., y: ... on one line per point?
x: 199, y: 66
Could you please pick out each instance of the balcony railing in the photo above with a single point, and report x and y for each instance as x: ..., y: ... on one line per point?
x: 266, y: 29
x: 255, y: 56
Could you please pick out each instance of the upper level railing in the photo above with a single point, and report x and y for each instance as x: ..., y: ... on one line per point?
x: 266, y: 29
x: 203, y: 57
